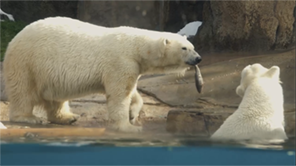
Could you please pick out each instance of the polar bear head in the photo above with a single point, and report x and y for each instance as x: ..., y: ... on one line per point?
x: 174, y: 53
x: 255, y: 71
x: 181, y: 50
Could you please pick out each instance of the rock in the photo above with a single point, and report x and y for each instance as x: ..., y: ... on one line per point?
x: 168, y: 16
x: 290, y: 123
x: 220, y: 82
x: 29, y: 11
x: 119, y: 13
x: 186, y: 122
x: 4, y: 111
x: 157, y: 15
x: 206, y: 122
x: 248, y: 26
x: 196, y: 121
x: 176, y: 14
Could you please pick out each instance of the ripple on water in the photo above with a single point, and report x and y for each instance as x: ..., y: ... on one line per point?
x: 150, y: 139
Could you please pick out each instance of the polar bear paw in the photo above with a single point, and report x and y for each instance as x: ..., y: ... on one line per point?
x: 68, y: 118
x: 136, y: 121
x: 128, y: 128
x: 133, y: 121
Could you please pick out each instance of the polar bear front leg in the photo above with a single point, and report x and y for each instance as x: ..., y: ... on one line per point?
x: 136, y: 106
x: 118, y: 103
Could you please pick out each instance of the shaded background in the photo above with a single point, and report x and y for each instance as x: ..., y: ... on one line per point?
x: 245, y: 26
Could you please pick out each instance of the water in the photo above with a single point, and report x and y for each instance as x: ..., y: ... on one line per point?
x: 143, y: 149
x: 149, y: 140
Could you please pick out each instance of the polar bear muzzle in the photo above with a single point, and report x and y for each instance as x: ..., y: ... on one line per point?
x: 194, y: 61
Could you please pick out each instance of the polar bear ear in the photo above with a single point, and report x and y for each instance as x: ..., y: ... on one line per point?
x: 166, y: 41
x: 258, y: 68
x: 246, y: 69
x: 273, y: 72
x: 161, y: 44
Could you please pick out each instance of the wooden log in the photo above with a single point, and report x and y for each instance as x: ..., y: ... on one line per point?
x: 52, y: 132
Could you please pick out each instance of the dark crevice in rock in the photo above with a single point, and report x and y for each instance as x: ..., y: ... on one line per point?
x: 154, y: 96
x: 155, y: 104
x: 216, y: 104
x: 204, y: 102
x: 274, y: 7
x: 273, y: 47
x: 210, y: 9
x: 206, y: 126
x: 212, y: 16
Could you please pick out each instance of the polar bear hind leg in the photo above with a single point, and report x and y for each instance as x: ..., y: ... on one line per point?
x: 22, y: 100
x: 136, y: 106
x: 23, y: 112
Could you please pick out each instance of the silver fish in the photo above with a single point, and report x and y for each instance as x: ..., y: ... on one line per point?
x: 198, y: 79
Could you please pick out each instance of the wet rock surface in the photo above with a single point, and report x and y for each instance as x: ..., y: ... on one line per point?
x: 220, y: 82
x: 173, y: 105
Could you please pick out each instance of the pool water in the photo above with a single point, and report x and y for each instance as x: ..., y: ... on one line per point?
x: 143, y: 149
x: 110, y: 138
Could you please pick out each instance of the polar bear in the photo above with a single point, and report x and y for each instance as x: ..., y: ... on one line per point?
x: 58, y: 59
x: 260, y: 115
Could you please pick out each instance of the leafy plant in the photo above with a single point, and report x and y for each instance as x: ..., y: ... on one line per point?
x: 8, y: 30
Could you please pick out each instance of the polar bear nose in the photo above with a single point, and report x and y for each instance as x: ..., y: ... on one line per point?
x: 198, y: 60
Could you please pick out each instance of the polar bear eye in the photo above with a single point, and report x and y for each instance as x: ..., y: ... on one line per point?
x: 184, y: 48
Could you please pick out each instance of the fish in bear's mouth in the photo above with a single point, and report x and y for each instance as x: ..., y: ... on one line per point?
x: 198, y: 79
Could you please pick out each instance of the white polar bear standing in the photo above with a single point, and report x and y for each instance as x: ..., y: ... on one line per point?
x: 57, y: 59
x: 260, y: 115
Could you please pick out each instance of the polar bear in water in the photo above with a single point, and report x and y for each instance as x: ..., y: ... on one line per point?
x: 260, y: 115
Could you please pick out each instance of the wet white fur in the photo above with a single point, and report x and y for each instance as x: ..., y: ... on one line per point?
x: 260, y: 115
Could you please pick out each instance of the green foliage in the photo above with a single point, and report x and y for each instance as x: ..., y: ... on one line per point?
x: 8, y: 30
